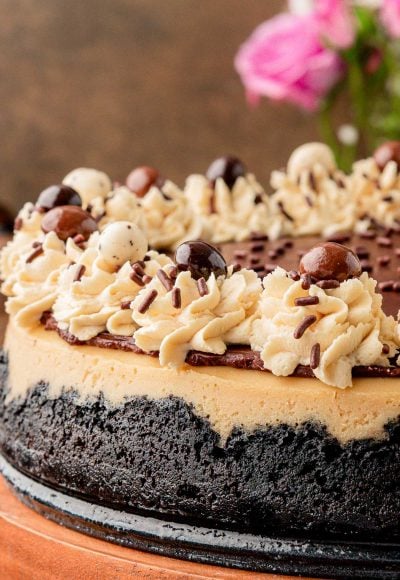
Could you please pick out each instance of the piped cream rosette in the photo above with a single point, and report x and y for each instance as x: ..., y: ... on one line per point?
x: 377, y: 193
x: 347, y: 324
x: 231, y: 214
x: 207, y: 319
x: 312, y: 195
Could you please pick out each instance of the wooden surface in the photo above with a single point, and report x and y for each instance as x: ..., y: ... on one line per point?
x: 118, y: 83
x: 33, y: 548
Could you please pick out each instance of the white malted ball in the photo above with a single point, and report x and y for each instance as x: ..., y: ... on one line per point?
x: 89, y: 183
x: 307, y: 156
x: 122, y: 241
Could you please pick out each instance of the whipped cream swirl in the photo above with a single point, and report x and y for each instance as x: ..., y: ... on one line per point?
x: 350, y: 328
x: 93, y: 297
x: 231, y: 214
x: 207, y: 323
x: 31, y: 286
x: 376, y: 193
x: 312, y: 194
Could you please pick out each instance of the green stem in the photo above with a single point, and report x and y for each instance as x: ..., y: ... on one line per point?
x: 326, y: 128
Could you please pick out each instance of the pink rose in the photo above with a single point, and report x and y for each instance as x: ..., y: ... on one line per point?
x: 390, y: 16
x: 284, y: 59
x: 335, y: 22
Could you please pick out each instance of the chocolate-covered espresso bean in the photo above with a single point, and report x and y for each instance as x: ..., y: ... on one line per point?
x: 330, y: 261
x: 57, y: 195
x: 68, y: 221
x: 200, y: 259
x: 229, y: 168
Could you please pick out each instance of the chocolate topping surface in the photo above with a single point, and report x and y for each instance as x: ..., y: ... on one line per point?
x: 389, y: 151
x: 228, y: 167
x: 330, y: 261
x: 201, y: 259
x: 68, y: 221
x: 57, y: 195
x: 141, y: 179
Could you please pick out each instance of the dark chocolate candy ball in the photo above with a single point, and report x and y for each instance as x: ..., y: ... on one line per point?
x: 389, y: 151
x: 330, y: 261
x: 228, y: 167
x: 141, y: 179
x: 67, y: 221
x: 200, y: 259
x: 56, y: 195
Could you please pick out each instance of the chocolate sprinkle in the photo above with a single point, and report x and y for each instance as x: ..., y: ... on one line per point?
x: 294, y: 275
x: 306, y: 301
x: 315, y: 355
x: 366, y: 266
x: 202, y: 287
x: 328, y: 284
x: 165, y: 280
x: 148, y: 301
x: 383, y: 260
x: 79, y: 273
x: 173, y: 273
x: 384, y: 241
x: 386, y: 286
x: 136, y: 278
x: 176, y: 297
x: 138, y: 269
x: 304, y: 324
x: 36, y: 252
x: 126, y: 304
x: 284, y: 212
x: 258, y: 247
x: 385, y: 349
x: 306, y: 281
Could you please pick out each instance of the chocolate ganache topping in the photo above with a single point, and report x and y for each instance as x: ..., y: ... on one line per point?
x: 68, y: 221
x: 57, y: 195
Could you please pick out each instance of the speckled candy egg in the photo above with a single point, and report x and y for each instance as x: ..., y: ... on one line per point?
x: 305, y: 157
x: 89, y: 183
x: 121, y: 242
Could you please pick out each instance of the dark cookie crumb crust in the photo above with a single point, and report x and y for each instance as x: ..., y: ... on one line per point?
x: 158, y: 457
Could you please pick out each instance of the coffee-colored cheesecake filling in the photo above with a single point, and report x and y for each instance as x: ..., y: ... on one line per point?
x: 227, y: 397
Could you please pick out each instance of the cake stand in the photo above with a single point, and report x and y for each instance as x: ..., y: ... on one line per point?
x: 147, y: 547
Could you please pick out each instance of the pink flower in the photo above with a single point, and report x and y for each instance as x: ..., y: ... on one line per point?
x: 390, y: 16
x: 284, y: 59
x: 335, y: 21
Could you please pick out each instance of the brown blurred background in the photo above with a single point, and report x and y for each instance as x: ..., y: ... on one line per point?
x: 113, y: 84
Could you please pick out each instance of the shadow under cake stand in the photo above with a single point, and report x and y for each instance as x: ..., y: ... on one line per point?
x: 130, y: 545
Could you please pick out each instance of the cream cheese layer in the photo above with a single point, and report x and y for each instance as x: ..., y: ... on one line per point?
x: 227, y: 397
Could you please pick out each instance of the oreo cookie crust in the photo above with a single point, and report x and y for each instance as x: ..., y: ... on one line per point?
x: 159, y: 457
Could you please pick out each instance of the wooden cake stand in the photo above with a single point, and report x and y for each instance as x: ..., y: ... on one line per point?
x: 34, y: 548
